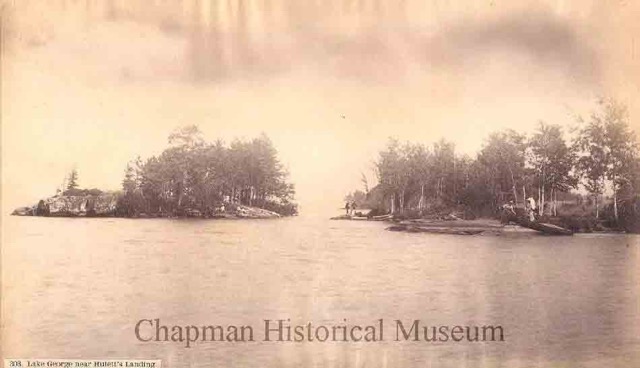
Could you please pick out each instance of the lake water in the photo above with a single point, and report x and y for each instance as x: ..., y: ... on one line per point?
x: 75, y: 288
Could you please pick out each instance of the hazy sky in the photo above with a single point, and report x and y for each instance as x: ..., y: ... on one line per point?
x: 94, y: 83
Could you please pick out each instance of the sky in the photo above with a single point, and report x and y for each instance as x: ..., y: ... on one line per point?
x: 91, y: 84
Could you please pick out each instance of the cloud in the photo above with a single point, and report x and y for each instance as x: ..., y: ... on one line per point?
x: 351, y: 42
x: 382, y: 51
x: 543, y: 37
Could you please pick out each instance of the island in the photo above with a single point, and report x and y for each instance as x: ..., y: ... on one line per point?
x: 192, y: 178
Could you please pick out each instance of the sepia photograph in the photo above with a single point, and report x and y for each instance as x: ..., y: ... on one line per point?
x: 319, y: 183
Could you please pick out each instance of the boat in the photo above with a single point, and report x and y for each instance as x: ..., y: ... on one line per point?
x: 473, y: 227
x: 439, y: 230
x: 364, y: 218
x: 382, y: 217
x: 546, y: 228
x: 542, y: 227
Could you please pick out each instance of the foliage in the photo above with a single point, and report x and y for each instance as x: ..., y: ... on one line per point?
x: 82, y: 192
x: 73, y: 180
x: 511, y: 166
x: 195, y: 175
x: 552, y: 161
x: 413, y: 175
x: 607, y: 152
x: 502, y: 166
x: 72, y: 187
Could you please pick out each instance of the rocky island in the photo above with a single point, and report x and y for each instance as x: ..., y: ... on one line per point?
x: 110, y: 205
x: 191, y: 178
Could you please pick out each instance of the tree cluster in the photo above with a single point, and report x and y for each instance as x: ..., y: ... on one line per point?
x: 600, y: 154
x: 195, y: 175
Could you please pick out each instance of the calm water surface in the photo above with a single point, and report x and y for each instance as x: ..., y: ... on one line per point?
x: 74, y: 288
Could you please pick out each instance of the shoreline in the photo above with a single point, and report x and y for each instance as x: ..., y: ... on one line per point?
x: 108, y: 206
x: 480, y: 226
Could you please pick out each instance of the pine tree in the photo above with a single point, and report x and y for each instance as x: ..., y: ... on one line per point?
x: 73, y: 180
x: 129, y: 182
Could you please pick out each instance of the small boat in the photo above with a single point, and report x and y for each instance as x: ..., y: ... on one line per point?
x: 364, y: 218
x: 474, y: 227
x: 440, y: 230
x: 547, y: 228
x: 382, y: 217
x: 360, y: 218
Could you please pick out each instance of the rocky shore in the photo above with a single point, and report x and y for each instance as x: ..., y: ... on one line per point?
x: 102, y: 205
x: 107, y: 205
x: 455, y: 225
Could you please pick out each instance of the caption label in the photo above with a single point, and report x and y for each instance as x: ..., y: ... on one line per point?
x: 81, y: 363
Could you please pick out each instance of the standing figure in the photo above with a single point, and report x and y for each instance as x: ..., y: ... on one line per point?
x: 353, y: 208
x: 348, y: 208
x: 531, y: 208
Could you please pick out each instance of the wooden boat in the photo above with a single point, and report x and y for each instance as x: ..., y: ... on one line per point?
x: 364, y: 218
x: 438, y: 230
x: 546, y: 228
x: 382, y: 217
x: 359, y: 218
x: 549, y: 229
x: 473, y: 227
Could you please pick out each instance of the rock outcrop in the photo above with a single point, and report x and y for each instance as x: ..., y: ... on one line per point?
x: 73, y: 206
x: 254, y: 212
x: 106, y: 205
x: 24, y: 211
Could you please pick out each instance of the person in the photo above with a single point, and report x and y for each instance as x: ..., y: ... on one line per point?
x: 353, y: 208
x: 531, y: 208
x: 348, y: 208
x: 508, y: 212
x: 509, y: 208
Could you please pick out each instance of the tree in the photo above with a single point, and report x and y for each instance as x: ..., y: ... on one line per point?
x: 591, y: 164
x: 73, y: 180
x: 129, y: 182
x: 444, y: 170
x: 358, y: 196
x: 187, y: 137
x: 420, y: 162
x: 607, y: 150
x: 552, y: 161
x: 503, y: 156
x: 620, y: 148
x: 365, y: 182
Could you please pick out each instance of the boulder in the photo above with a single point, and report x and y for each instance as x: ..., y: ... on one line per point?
x: 72, y: 206
x: 105, y: 204
x: 67, y: 205
x: 24, y: 211
x: 192, y: 212
x: 254, y: 212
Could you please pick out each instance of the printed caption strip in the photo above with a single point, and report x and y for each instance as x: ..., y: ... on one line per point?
x: 81, y: 363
